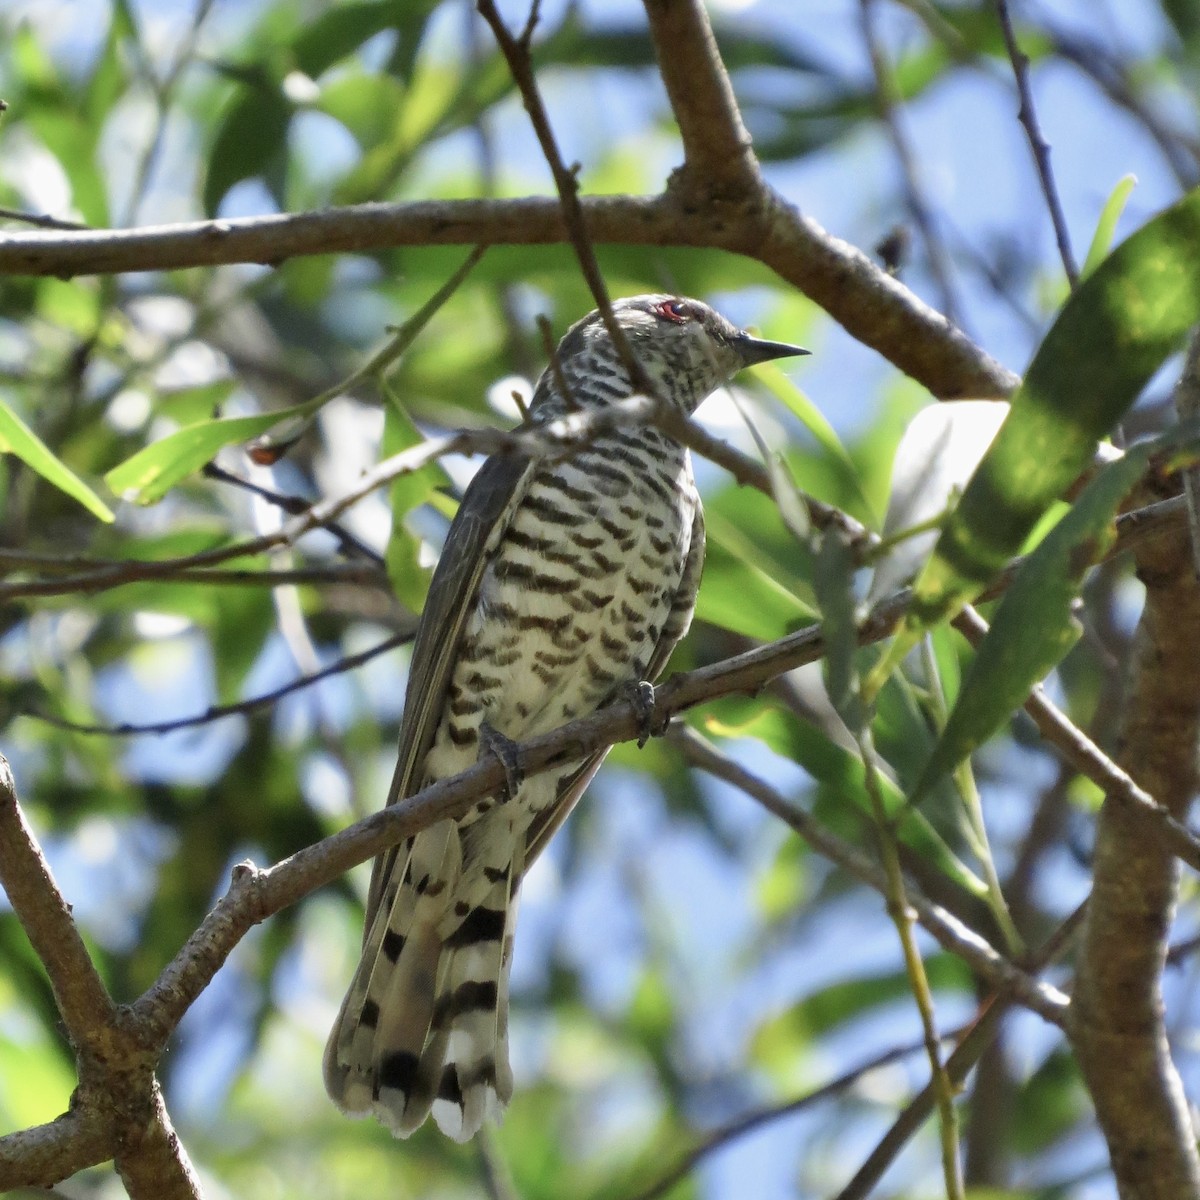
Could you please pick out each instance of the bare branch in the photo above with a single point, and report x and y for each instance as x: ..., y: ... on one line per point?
x: 1048, y: 1002
x: 86, y: 1007
x: 347, y: 542
x: 1116, y: 1026
x: 150, y: 1158
x: 968, y: 1052
x: 112, y: 573
x: 117, y: 1110
x: 217, y: 712
x: 719, y: 164
x: 46, y: 1154
x: 41, y: 220
x: 873, y: 306
x: 1027, y: 115
x: 516, y: 54
x: 748, y: 1123
x: 1089, y: 760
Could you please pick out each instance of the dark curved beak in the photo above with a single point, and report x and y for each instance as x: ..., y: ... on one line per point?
x: 756, y: 350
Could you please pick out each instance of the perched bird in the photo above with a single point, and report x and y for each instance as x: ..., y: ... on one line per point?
x: 561, y: 585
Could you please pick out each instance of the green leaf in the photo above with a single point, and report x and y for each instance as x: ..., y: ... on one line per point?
x: 1112, y: 334
x: 409, y: 579
x: 150, y: 473
x: 17, y: 438
x: 1033, y: 628
x: 833, y: 579
x: 740, y: 591
x: 250, y: 140
x: 338, y: 32
x: 1106, y: 227
x: 365, y: 104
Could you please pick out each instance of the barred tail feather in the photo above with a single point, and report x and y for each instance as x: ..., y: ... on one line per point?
x: 424, y: 1024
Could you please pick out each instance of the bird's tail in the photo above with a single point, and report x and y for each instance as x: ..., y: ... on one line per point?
x: 424, y: 1026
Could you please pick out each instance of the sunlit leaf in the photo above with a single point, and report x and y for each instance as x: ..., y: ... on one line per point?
x: 1033, y: 628
x: 17, y: 438
x: 155, y: 469
x: 1112, y: 334
x: 1106, y: 227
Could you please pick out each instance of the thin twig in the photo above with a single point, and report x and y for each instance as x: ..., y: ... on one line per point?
x: 756, y: 1119
x: 41, y: 220
x: 951, y: 933
x: 516, y: 54
x: 115, y: 573
x: 1090, y: 761
x: 958, y: 1065
x: 349, y: 544
x: 1027, y: 115
x: 903, y: 915
x: 217, y: 712
x: 86, y: 1007
x: 888, y: 96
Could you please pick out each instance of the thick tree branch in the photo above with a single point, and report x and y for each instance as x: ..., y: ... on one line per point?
x: 719, y: 166
x: 873, y: 306
x: 1117, y: 1019
x: 45, y: 1154
x: 86, y: 1007
x: 150, y: 1158
x: 117, y: 1111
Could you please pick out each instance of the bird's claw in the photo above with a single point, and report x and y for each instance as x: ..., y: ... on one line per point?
x: 506, y: 753
x: 640, y: 693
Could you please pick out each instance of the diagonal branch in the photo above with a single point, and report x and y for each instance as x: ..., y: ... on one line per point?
x: 719, y: 164
x: 1027, y: 115
x: 951, y: 933
x: 86, y: 1007
x: 516, y: 54
x: 117, y: 1111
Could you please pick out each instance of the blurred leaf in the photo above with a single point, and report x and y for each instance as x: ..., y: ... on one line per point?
x: 149, y: 474
x: 833, y: 580
x: 1106, y: 227
x: 365, y: 104
x: 17, y: 438
x: 840, y: 1004
x: 251, y: 138
x: 739, y: 592
x: 1033, y: 628
x: 1112, y: 334
x: 339, y: 31
x: 56, y: 118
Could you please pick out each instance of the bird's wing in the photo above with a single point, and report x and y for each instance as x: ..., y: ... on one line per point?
x: 486, y: 509
x: 676, y: 625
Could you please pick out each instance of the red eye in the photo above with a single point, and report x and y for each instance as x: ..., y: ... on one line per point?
x: 674, y: 310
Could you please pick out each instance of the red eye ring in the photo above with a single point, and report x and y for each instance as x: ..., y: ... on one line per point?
x: 673, y: 310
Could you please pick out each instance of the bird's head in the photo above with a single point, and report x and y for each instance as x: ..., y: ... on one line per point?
x: 686, y: 348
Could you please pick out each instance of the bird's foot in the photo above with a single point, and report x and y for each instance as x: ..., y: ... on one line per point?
x: 506, y: 753
x: 640, y: 693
